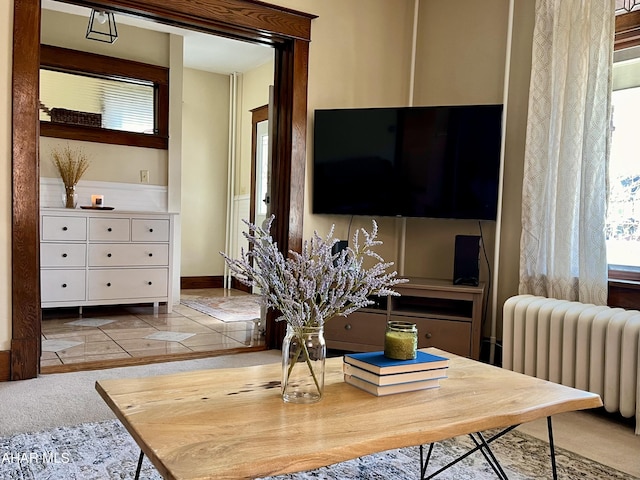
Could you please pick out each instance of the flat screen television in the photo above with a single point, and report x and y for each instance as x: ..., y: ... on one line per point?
x: 438, y: 162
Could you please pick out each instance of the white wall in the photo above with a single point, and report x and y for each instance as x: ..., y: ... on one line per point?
x: 205, y: 121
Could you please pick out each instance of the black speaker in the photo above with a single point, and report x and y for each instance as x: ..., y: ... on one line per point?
x: 466, y: 263
x: 338, y: 247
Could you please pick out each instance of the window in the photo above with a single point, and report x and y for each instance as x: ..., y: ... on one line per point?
x: 623, y: 216
x: 90, y: 97
x: 624, y: 198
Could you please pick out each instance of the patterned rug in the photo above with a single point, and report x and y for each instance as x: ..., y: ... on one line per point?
x: 104, y: 450
x: 237, y: 308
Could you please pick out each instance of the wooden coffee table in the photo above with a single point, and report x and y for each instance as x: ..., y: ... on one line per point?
x: 232, y: 423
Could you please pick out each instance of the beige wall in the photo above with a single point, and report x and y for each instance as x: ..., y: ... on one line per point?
x: 519, y: 75
x: 6, y: 42
x: 110, y: 163
x: 205, y: 139
x: 66, y: 30
x: 461, y: 52
x: 460, y: 60
x: 360, y: 56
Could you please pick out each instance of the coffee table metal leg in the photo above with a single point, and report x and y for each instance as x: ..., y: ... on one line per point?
x: 552, y: 449
x: 139, y: 465
x: 480, y: 445
x: 491, y: 459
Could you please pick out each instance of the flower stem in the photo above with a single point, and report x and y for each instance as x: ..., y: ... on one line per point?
x: 302, y: 347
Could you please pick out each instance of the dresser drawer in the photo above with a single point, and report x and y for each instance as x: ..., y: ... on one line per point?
x: 64, y: 228
x: 149, y: 230
x: 131, y: 254
x: 449, y: 335
x: 63, y: 254
x: 128, y: 283
x: 62, y: 285
x: 109, y: 229
x: 358, y: 328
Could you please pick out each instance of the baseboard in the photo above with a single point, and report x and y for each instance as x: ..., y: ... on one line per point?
x: 236, y: 285
x: 189, y: 283
x: 5, y: 365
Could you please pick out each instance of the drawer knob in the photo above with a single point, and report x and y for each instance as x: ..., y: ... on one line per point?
x: 64, y: 255
x: 64, y: 229
x: 347, y: 326
x: 108, y: 284
x: 151, y: 254
x: 109, y: 255
x: 150, y: 283
x: 109, y: 229
x: 151, y: 230
x: 64, y: 285
x: 428, y: 335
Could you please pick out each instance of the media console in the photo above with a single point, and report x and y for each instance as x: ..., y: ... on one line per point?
x: 448, y: 317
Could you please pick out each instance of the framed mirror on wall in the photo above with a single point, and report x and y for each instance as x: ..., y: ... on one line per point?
x: 97, y: 98
x: 286, y: 30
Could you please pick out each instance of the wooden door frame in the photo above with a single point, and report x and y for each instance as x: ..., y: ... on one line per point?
x: 288, y: 31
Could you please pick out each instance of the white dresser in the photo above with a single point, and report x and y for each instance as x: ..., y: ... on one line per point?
x: 101, y: 257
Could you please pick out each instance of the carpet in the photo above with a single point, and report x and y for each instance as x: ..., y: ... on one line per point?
x: 104, y: 450
x: 237, y: 308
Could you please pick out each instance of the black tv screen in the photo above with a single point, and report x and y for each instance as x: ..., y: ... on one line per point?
x: 439, y: 162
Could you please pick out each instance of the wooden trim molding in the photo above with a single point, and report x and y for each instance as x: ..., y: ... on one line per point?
x: 5, y: 365
x: 25, y: 236
x: 624, y: 294
x: 288, y: 31
x: 192, y: 283
x: 627, y: 30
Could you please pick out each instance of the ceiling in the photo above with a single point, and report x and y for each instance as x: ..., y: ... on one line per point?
x: 201, y: 51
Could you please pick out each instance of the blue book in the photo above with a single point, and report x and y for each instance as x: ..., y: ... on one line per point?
x: 377, y: 363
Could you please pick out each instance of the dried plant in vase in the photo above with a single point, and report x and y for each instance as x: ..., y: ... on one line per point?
x: 71, y: 165
x: 308, y: 289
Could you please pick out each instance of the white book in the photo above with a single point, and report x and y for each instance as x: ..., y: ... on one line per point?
x: 391, y: 389
x: 394, y: 378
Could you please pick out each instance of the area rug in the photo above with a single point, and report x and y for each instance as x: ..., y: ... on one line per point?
x: 104, y: 450
x: 237, y: 308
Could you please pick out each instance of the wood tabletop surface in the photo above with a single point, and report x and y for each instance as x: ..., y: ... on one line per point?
x: 232, y: 423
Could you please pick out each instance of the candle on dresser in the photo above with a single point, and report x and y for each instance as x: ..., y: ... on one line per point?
x: 97, y: 200
x: 401, y: 340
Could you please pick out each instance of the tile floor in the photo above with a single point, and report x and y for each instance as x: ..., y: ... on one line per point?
x: 124, y: 332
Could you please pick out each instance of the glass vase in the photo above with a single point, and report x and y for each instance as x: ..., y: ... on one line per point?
x: 70, y: 197
x: 303, y: 356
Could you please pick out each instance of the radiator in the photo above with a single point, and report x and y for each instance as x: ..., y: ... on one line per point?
x: 593, y: 348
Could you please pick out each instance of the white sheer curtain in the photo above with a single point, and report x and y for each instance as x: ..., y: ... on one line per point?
x: 562, y: 251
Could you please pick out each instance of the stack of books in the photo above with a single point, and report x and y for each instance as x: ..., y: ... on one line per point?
x: 379, y: 375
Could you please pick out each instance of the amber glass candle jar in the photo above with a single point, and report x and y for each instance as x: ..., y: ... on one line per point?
x: 401, y: 340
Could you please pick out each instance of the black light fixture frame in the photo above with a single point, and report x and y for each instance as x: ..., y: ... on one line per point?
x: 93, y: 33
